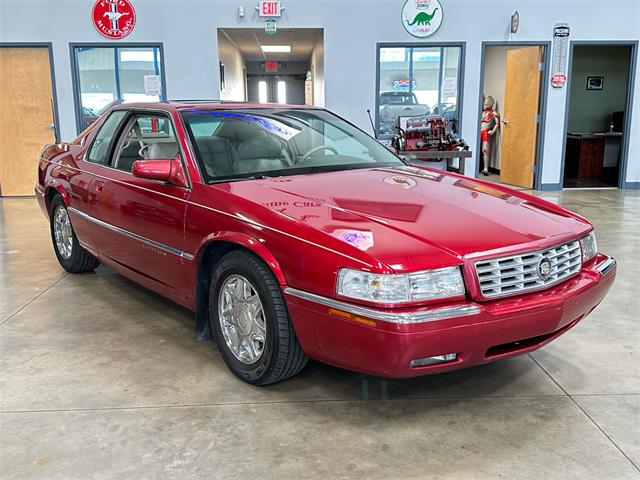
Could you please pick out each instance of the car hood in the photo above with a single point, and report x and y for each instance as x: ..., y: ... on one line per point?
x: 411, y: 218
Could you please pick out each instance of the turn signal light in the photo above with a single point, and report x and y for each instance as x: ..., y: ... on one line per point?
x: 424, y: 362
x: 352, y: 317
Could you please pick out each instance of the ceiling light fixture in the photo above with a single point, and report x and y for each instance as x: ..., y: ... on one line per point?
x: 276, y: 48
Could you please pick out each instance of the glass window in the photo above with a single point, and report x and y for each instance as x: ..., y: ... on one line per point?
x: 417, y: 81
x: 282, y: 91
x: 147, y: 137
x: 275, y: 142
x: 100, y: 147
x: 262, y: 92
x: 109, y: 75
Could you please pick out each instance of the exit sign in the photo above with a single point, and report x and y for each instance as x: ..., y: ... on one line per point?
x: 270, y: 8
x: 270, y: 66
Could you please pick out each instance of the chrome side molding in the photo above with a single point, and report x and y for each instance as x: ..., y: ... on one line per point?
x: 391, y: 317
x: 135, y: 236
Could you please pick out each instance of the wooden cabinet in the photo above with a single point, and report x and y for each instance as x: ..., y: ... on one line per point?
x: 584, y: 156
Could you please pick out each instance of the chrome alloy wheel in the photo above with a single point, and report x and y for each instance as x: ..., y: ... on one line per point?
x: 63, y: 232
x: 241, y: 318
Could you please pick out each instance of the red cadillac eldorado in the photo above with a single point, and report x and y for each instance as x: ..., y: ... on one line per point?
x: 292, y: 235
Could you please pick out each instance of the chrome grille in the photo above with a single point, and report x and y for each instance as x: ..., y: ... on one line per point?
x: 520, y: 273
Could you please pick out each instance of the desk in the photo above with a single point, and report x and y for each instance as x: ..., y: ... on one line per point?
x: 588, y: 153
x: 612, y: 142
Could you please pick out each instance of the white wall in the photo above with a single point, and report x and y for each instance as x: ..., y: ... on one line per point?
x: 231, y: 56
x: 317, y: 71
x: 187, y: 28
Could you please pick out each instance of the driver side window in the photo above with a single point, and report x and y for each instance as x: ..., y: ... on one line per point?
x: 146, y: 137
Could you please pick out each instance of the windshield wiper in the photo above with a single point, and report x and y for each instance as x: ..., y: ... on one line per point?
x: 240, y: 179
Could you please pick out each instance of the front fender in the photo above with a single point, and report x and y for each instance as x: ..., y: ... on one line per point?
x: 248, y: 242
x: 203, y: 328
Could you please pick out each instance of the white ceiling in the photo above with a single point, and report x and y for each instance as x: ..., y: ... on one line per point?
x: 248, y: 40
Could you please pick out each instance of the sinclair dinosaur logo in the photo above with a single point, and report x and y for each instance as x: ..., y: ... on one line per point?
x: 114, y: 18
x: 421, y: 18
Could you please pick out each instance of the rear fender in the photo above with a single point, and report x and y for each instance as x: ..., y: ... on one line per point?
x: 53, y: 188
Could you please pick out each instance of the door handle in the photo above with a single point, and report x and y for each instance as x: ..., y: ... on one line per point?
x: 98, y: 186
x: 50, y: 126
x: 505, y: 122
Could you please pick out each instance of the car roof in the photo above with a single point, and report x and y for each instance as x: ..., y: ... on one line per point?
x: 206, y: 105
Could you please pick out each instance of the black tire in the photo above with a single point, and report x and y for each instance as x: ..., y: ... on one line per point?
x: 282, y: 357
x: 80, y: 260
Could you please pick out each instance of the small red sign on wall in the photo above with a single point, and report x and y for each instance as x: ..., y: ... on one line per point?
x: 270, y: 8
x: 114, y: 18
x: 270, y: 66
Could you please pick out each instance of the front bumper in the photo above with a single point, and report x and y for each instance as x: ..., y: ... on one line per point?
x: 384, y: 342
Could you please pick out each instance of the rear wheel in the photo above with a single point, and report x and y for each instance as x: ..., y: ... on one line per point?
x: 71, y: 255
x: 250, y: 321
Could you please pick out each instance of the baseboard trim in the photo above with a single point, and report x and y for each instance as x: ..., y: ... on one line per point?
x: 550, y: 187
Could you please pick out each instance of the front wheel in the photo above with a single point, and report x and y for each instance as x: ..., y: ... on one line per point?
x: 71, y: 255
x: 250, y: 321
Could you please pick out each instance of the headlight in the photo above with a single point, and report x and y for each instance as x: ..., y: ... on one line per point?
x: 427, y: 285
x: 589, y: 247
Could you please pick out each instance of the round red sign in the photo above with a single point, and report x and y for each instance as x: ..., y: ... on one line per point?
x: 114, y: 18
x: 558, y: 80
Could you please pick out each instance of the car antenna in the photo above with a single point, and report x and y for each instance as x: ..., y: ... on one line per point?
x: 371, y: 121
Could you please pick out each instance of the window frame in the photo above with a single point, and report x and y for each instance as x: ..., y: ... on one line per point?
x: 132, y: 112
x: 75, y: 72
x: 132, y: 117
x: 441, y: 45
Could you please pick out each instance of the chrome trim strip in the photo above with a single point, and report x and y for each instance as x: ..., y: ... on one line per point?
x: 391, y: 317
x: 606, y: 266
x: 135, y: 236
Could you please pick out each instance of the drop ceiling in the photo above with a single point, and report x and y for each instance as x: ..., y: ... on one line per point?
x: 248, y: 40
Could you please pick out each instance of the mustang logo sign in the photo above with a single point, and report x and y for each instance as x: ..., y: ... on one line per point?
x: 114, y: 18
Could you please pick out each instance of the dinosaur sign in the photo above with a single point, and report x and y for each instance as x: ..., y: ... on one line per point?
x: 421, y: 18
x: 114, y: 18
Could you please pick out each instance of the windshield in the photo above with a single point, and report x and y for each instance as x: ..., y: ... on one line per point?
x: 241, y: 144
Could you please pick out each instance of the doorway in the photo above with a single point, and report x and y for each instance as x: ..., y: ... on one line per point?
x: 597, y: 118
x: 27, y: 116
x: 285, y: 67
x: 513, y: 75
x: 276, y: 89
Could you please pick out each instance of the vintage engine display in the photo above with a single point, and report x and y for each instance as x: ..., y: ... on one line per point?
x: 426, y: 133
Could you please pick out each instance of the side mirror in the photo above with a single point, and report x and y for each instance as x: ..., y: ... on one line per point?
x: 163, y: 170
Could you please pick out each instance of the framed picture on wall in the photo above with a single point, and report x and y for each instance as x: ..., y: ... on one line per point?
x: 595, y: 83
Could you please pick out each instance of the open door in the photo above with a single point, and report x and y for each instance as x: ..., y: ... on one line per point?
x: 26, y: 116
x: 519, y: 124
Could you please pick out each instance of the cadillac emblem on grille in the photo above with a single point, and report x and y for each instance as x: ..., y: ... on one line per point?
x: 544, y: 268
